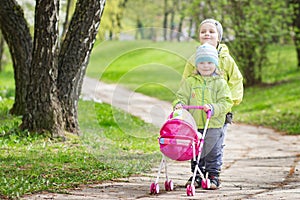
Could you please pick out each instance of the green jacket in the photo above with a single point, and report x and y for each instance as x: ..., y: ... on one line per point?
x: 199, y: 90
x: 230, y: 72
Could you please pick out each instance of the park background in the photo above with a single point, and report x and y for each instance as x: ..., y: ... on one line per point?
x: 152, y: 40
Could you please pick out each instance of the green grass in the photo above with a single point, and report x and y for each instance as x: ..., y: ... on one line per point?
x: 276, y: 107
x: 275, y: 103
x: 282, y: 64
x: 7, y: 90
x: 137, y: 53
x: 107, y: 150
x: 154, y: 69
x: 36, y: 164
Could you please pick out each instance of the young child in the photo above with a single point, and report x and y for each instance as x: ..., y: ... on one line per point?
x: 206, y: 87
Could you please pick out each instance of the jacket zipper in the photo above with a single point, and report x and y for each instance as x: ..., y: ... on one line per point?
x: 203, y: 92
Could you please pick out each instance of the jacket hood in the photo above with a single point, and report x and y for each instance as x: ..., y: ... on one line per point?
x: 223, y: 50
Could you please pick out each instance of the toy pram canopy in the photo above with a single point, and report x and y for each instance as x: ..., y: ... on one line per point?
x: 179, y: 139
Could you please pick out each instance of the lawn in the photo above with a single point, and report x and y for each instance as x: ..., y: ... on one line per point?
x: 31, y: 163
x: 152, y: 68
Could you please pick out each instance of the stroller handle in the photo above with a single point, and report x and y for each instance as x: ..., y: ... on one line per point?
x: 208, y: 113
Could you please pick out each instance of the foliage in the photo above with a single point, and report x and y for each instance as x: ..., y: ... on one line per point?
x: 122, y: 15
x: 110, y: 23
x: 249, y: 27
x: 281, y: 65
x: 254, y: 29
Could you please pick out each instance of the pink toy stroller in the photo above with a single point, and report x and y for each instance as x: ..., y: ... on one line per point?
x: 180, y: 141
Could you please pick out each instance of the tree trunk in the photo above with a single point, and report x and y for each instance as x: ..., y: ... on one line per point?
x: 250, y: 75
x: 51, y: 81
x: 74, y: 57
x: 17, y: 36
x: 179, y: 31
x: 172, y: 26
x: 1, y: 51
x: 139, y: 30
x: 298, y: 53
x: 165, y: 22
x: 191, y: 27
x: 296, y: 25
x: 44, y: 110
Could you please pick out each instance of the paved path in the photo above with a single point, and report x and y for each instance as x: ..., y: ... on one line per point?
x: 258, y: 162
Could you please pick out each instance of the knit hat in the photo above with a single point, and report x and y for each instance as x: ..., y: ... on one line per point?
x: 217, y: 24
x: 206, y: 53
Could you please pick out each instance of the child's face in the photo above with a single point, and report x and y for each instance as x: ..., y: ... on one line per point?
x: 208, y: 33
x: 206, y: 68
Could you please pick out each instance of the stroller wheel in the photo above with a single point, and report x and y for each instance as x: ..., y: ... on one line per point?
x: 169, y: 186
x: 205, y: 183
x: 190, y: 190
x: 154, y: 188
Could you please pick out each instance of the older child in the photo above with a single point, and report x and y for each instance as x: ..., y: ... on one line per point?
x: 206, y: 87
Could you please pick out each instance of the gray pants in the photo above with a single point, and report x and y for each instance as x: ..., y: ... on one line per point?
x: 212, y: 155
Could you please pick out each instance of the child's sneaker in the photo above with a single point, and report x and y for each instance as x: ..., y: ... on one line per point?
x: 197, y: 182
x: 214, y: 182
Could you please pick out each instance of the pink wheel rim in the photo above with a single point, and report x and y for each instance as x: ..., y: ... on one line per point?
x: 167, y: 188
x: 203, y: 184
x: 188, y: 190
x: 152, y: 188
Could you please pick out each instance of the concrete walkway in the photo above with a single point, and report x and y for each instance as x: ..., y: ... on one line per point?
x: 258, y: 162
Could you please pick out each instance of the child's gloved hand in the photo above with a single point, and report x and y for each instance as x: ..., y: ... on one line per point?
x: 178, y: 106
x: 206, y: 107
x: 229, y: 118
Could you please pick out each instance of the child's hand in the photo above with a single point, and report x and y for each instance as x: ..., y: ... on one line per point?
x: 206, y: 107
x: 178, y: 106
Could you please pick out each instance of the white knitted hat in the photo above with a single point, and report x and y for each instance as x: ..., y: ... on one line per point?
x: 217, y: 24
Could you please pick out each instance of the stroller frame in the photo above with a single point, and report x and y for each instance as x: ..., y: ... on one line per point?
x: 190, y: 189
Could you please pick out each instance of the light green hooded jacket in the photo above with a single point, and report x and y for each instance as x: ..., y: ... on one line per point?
x: 230, y: 72
x: 200, y: 90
